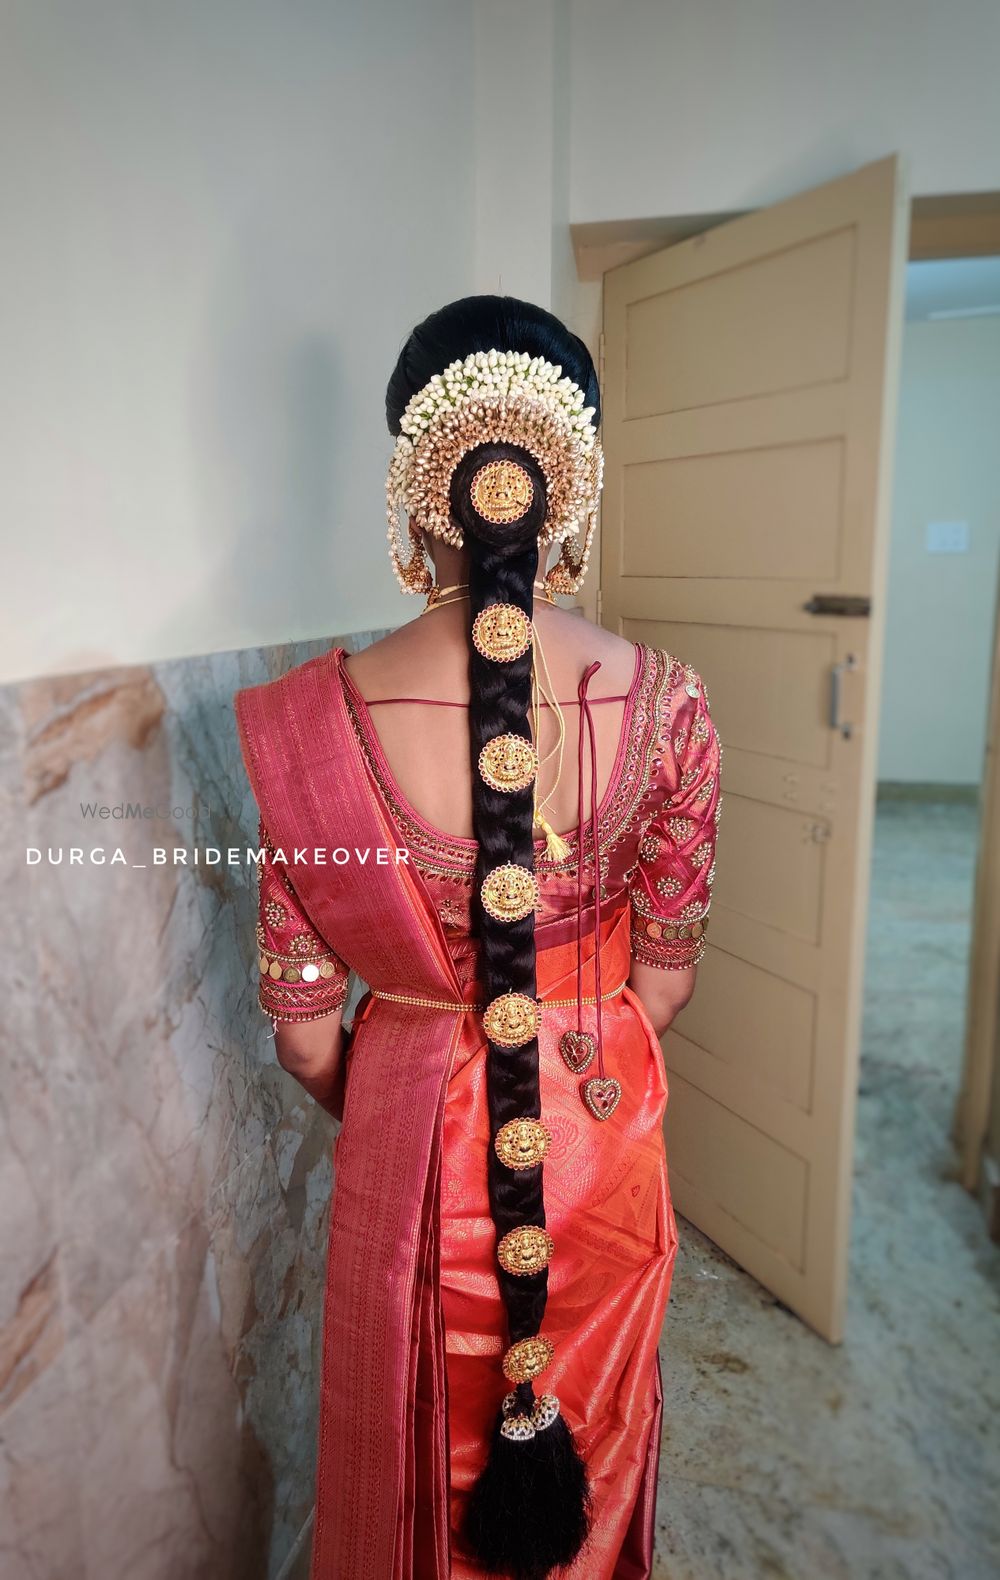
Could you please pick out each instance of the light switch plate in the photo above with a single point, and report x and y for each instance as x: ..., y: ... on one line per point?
x: 947, y: 537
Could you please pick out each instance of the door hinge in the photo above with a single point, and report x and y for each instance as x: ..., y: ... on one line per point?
x: 600, y: 606
x: 600, y: 361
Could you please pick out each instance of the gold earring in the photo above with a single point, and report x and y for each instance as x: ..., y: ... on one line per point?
x: 414, y: 575
x: 567, y: 574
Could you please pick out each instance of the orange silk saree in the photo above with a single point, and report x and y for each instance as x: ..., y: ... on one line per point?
x: 413, y: 1322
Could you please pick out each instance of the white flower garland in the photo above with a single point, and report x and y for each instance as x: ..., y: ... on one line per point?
x: 493, y: 396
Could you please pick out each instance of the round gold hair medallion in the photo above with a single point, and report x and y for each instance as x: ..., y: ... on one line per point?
x: 527, y: 1358
x: 509, y: 893
x: 522, y: 1143
x: 501, y: 632
x: 525, y: 1250
x: 501, y: 492
x: 508, y: 762
x: 511, y: 1020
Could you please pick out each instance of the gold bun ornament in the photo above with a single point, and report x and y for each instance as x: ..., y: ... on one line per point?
x: 527, y: 1359
x: 501, y: 632
x: 511, y: 1020
x: 509, y: 893
x: 501, y: 492
x: 504, y: 397
x: 508, y: 763
x: 525, y: 1250
x: 522, y: 1143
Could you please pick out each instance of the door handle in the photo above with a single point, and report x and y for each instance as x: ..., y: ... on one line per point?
x: 837, y: 673
x: 854, y: 605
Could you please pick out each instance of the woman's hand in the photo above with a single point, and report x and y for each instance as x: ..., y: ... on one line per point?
x: 663, y: 993
x: 314, y: 1052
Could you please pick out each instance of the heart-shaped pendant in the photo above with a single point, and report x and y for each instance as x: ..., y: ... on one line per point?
x: 601, y: 1094
x: 578, y: 1049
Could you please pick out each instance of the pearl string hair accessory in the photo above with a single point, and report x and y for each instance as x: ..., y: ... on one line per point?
x: 495, y: 397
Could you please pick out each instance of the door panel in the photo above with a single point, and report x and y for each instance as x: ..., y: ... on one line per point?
x: 795, y: 487
x: 779, y: 322
x: 750, y: 670
x: 750, y: 385
x: 747, y: 1047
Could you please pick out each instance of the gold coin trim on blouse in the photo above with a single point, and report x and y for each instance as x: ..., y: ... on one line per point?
x: 527, y: 1358
x: 508, y: 762
x: 525, y: 1250
x: 501, y: 491
x: 509, y: 893
x: 522, y: 1143
x: 501, y: 632
x: 511, y: 1020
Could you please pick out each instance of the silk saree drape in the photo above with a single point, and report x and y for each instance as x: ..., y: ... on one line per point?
x: 413, y: 1323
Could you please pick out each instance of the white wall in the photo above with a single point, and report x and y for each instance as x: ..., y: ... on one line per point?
x: 940, y: 609
x: 684, y: 107
x: 220, y: 221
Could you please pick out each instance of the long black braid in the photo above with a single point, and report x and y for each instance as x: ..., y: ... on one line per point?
x: 529, y: 1511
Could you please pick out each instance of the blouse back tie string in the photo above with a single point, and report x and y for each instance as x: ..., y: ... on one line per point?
x: 587, y: 718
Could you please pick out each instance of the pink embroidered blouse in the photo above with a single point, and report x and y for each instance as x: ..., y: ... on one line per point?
x: 657, y: 823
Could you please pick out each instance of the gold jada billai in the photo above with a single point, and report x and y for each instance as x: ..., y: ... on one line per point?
x: 498, y: 455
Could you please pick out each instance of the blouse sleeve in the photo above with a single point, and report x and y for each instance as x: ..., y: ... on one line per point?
x: 671, y: 884
x: 301, y: 978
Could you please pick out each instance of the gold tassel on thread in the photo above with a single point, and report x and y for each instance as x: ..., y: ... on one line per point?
x: 556, y: 847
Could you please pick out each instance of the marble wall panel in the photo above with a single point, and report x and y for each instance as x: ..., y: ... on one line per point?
x: 165, y: 1184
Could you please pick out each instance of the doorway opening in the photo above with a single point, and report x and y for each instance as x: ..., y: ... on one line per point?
x: 944, y: 562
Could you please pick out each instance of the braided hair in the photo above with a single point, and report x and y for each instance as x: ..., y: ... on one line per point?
x: 529, y: 1511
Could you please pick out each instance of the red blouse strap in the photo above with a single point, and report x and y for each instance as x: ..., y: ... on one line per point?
x: 587, y: 719
x: 439, y: 702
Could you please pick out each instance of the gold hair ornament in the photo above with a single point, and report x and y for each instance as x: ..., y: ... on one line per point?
x: 501, y: 492
x: 508, y: 763
x: 501, y: 632
x: 519, y: 1426
x: 509, y: 892
x: 511, y: 1020
x: 527, y: 1358
x: 495, y: 397
x: 525, y: 1250
x: 522, y: 1143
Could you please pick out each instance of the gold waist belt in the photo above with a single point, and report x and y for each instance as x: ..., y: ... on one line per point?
x: 461, y: 1007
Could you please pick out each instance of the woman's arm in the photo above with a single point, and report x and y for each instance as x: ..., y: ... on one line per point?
x: 671, y: 887
x: 315, y: 1053
x: 303, y: 986
x: 663, y: 993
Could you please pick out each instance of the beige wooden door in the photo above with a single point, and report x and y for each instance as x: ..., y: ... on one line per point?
x: 749, y: 403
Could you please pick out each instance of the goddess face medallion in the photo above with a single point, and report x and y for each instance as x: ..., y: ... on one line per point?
x: 501, y: 632
x: 525, y: 1250
x: 511, y: 1020
x: 509, y: 893
x: 508, y: 762
x: 501, y: 491
x: 522, y: 1143
x: 527, y: 1358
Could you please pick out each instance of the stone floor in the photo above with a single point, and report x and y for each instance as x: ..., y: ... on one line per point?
x: 786, y: 1459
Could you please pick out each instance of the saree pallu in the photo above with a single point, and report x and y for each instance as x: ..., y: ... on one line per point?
x: 413, y: 1322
